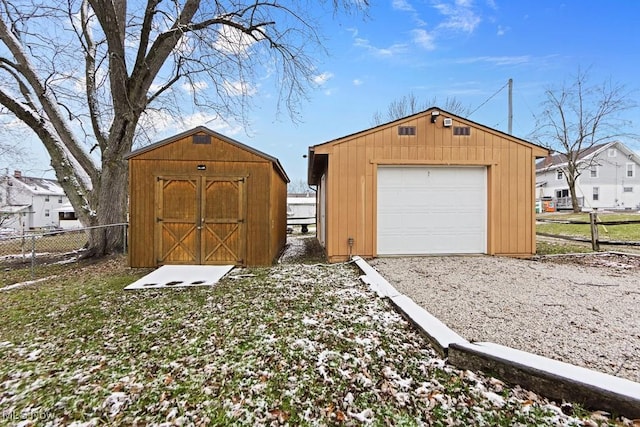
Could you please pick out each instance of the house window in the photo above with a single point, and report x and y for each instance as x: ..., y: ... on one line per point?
x: 59, y: 199
x: 631, y: 170
x: 562, y: 193
x: 611, y: 152
x: 594, y: 171
x: 559, y: 174
x: 46, y: 198
x: 627, y: 189
x: 46, y: 212
x: 596, y: 193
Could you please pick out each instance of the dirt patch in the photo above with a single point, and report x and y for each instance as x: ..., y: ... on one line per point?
x: 605, y: 260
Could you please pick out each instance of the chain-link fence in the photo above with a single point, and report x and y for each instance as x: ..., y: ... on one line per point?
x: 32, y: 255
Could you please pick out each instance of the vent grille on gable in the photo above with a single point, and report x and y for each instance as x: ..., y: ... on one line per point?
x: 407, y: 130
x: 462, y: 130
x: 202, y: 139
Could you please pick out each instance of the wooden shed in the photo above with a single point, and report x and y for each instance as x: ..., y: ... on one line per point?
x: 430, y: 183
x: 203, y: 198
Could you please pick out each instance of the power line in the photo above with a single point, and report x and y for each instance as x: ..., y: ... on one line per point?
x: 489, y: 99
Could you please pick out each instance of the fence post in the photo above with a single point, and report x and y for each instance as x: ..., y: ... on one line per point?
x: 33, y: 257
x: 595, y: 243
x: 124, y: 238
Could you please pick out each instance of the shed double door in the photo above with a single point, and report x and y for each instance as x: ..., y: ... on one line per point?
x: 200, y: 220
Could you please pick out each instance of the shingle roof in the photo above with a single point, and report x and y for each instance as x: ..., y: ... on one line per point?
x: 558, y: 159
x: 43, y: 186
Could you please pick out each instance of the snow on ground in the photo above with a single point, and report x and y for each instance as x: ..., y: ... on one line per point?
x: 294, y: 344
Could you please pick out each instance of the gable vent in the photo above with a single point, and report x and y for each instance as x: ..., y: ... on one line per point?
x: 407, y: 130
x: 462, y: 130
x: 202, y: 139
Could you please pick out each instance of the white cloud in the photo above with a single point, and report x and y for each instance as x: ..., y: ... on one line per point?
x: 233, y: 41
x: 239, y: 88
x: 392, y: 50
x: 403, y: 5
x: 194, y: 87
x: 497, y: 60
x: 423, y: 39
x: 161, y: 124
x: 459, y: 16
x: 322, y: 78
x: 358, y: 82
x: 502, y: 30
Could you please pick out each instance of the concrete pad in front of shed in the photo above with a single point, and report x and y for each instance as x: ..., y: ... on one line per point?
x: 177, y: 276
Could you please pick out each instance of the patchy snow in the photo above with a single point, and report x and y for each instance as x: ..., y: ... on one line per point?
x: 561, y: 369
x: 241, y: 353
x: 27, y: 283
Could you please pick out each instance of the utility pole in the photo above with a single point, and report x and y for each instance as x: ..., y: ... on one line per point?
x: 510, y: 107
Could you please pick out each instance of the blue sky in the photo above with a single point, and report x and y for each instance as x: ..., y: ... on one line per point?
x: 467, y: 49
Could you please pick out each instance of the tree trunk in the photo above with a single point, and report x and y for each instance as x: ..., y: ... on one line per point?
x: 574, y: 198
x: 112, y: 209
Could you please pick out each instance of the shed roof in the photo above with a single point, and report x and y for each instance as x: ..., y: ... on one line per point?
x: 315, y: 164
x: 203, y: 129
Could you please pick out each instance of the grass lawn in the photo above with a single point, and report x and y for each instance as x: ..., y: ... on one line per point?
x: 297, y: 344
x: 626, y: 232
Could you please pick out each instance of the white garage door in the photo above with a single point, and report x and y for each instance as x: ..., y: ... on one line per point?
x: 432, y: 210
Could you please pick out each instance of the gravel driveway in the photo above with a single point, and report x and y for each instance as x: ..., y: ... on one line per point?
x: 582, y: 310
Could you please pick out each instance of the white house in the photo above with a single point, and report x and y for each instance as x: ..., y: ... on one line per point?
x: 609, y: 179
x: 28, y: 203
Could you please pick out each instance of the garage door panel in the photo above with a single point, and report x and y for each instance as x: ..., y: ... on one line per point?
x: 431, y: 210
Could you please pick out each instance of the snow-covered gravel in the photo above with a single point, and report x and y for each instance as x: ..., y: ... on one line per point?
x: 584, y: 311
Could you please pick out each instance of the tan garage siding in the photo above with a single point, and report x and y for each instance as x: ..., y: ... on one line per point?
x: 351, y: 169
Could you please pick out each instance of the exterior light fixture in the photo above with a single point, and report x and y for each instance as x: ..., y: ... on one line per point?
x: 434, y: 116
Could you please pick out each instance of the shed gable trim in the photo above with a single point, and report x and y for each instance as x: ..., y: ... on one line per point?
x: 203, y: 129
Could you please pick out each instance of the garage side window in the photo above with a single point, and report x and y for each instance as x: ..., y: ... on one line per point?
x: 461, y: 130
x: 406, y: 130
x: 596, y: 193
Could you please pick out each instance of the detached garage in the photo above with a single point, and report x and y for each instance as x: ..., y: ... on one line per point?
x: 431, y: 183
x: 203, y: 198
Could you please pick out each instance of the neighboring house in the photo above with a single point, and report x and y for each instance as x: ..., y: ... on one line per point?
x: 28, y: 203
x: 430, y: 183
x: 609, y: 179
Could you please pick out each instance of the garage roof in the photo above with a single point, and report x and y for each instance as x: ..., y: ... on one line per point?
x: 316, y: 163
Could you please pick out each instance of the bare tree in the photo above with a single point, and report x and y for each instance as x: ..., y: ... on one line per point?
x: 299, y: 186
x: 409, y: 104
x: 578, y: 116
x: 11, y: 149
x: 83, y: 74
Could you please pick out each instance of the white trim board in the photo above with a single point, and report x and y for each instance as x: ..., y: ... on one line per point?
x: 178, y: 276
